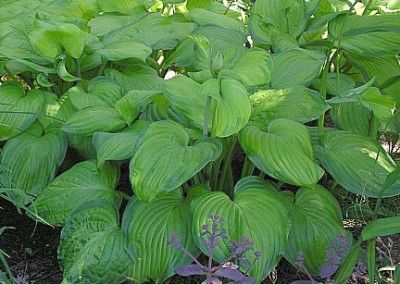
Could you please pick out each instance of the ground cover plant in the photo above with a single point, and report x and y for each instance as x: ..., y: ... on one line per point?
x: 293, y: 92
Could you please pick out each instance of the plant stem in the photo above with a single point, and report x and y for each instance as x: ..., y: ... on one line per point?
x: 227, y: 163
x: 78, y: 70
x: 248, y: 168
x: 102, y: 67
x: 206, y: 116
x: 373, y: 127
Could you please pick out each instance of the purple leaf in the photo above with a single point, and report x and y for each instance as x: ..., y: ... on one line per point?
x: 189, y: 270
x: 229, y: 273
x: 245, y: 261
x: 328, y: 269
x: 247, y: 280
x: 303, y: 282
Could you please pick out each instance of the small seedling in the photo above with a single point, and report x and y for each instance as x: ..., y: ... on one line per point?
x: 226, y: 269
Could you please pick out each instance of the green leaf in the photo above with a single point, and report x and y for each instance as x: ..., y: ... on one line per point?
x: 286, y: 16
x: 87, y: 121
x: 93, y: 248
x: 271, y: 104
x: 51, y: 39
x: 355, y: 33
x: 347, y: 266
x: 139, y: 77
x: 117, y: 146
x: 233, y: 107
x: 106, y: 89
x: 82, y: 183
x: 253, y: 69
x: 283, y: 151
x: 381, y: 228
x: 357, y: 163
x: 205, y: 17
x: 257, y: 211
x: 150, y: 225
x: 381, y: 106
x: 108, y: 22
x: 228, y: 44
x: 151, y: 171
x: 133, y: 102
x: 33, y: 158
x: 153, y: 30
x: 371, y: 263
x: 315, y: 219
x: 121, y: 6
x: 43, y: 80
x: 296, y: 67
x: 17, y: 109
x: 352, y: 116
x: 63, y: 72
x: 114, y: 51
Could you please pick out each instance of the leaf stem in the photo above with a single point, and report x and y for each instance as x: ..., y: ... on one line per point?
x: 227, y: 163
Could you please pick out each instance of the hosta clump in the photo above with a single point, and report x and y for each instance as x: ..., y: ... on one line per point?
x: 178, y: 90
x: 210, y: 240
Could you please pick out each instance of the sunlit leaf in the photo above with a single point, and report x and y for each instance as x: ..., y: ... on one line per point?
x: 271, y: 104
x: 316, y: 220
x: 151, y: 171
x: 283, y: 151
x: 33, y: 158
x: 257, y: 211
x: 150, y: 225
x: 90, y: 241
x: 82, y: 183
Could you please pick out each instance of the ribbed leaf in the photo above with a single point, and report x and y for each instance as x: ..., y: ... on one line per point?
x: 17, y: 109
x: 233, y: 107
x: 357, y: 163
x: 148, y: 226
x: 89, y: 120
x: 124, y: 49
x: 82, y: 183
x: 355, y: 33
x: 253, y: 69
x: 287, y: 16
x: 139, y: 77
x: 271, y: 104
x: 51, y: 39
x: 205, y: 17
x: 381, y: 228
x: 163, y: 160
x: 153, y: 30
x: 33, y: 157
x: 257, y: 212
x: 105, y: 89
x: 283, y: 151
x: 120, y: 6
x: 296, y: 67
x: 93, y: 248
x: 225, y: 43
x: 315, y: 219
x: 117, y: 146
x: 352, y: 116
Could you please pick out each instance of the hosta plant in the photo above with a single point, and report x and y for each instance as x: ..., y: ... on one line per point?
x: 235, y: 108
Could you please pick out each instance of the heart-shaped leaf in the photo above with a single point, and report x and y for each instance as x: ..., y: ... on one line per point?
x: 82, y: 183
x: 316, y: 220
x: 87, y: 121
x: 296, y: 67
x: 271, y: 104
x: 253, y: 69
x: 150, y: 225
x: 117, y: 146
x: 51, y: 39
x: 355, y: 33
x: 357, y: 163
x: 283, y: 151
x: 124, y: 49
x: 164, y: 160
x: 257, y: 211
x: 33, y: 158
x: 17, y: 109
x: 90, y: 241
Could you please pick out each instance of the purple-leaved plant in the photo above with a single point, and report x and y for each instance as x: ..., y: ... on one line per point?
x: 210, y: 236
x: 336, y: 252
